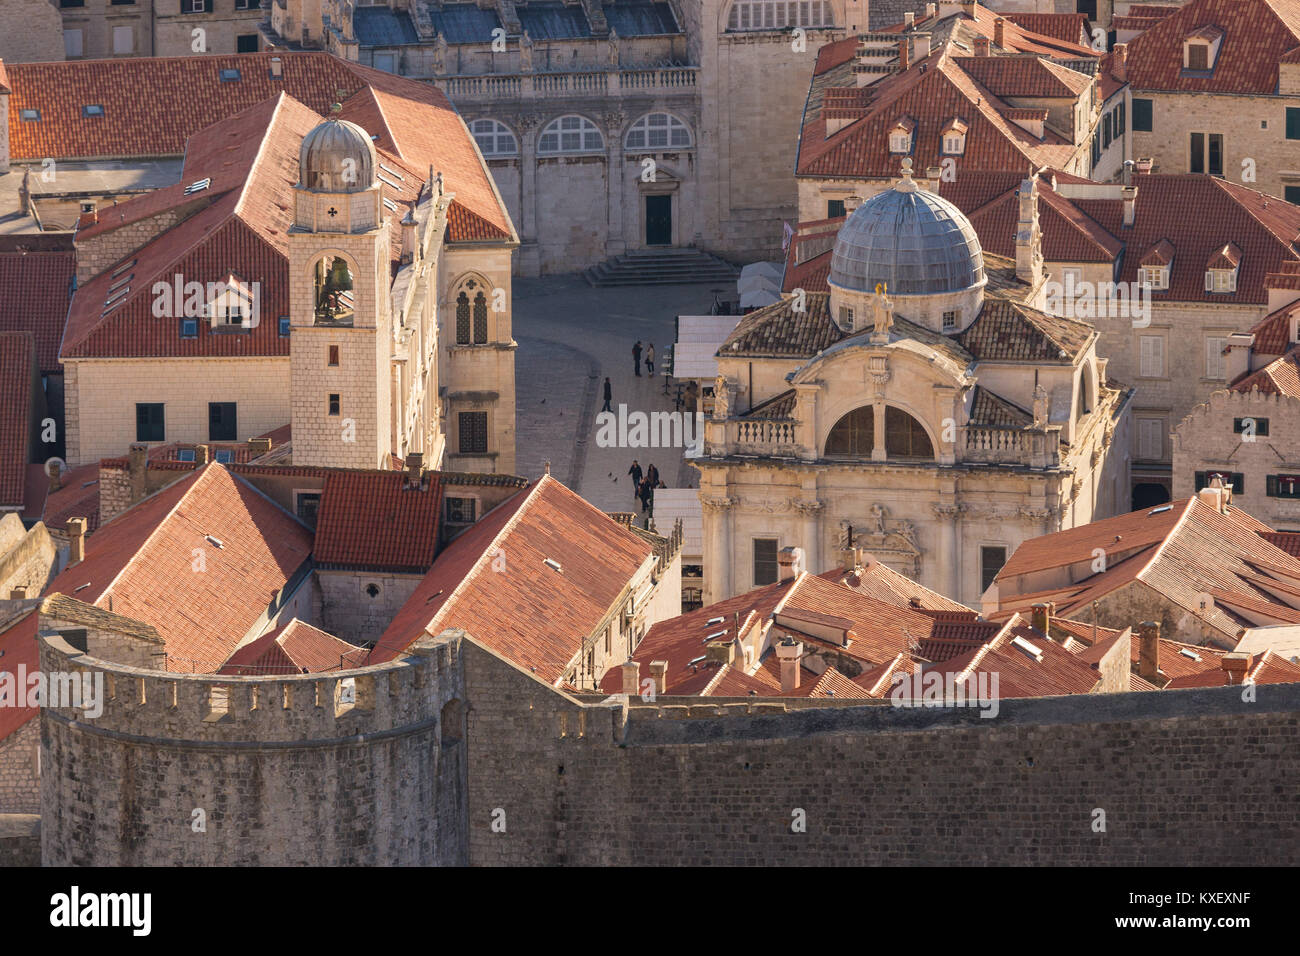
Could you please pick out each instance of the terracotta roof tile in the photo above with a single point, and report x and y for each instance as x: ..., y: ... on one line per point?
x: 990, y: 409
x: 1025, y: 76
x: 77, y: 497
x: 1257, y: 33
x: 1059, y: 26
x: 1009, y: 331
x: 1279, y: 377
x: 35, y: 290
x: 531, y: 614
x: 17, y: 370
x: 373, y: 521
x: 142, y: 564
x: 295, y: 648
x: 19, y: 649
x: 1273, y: 332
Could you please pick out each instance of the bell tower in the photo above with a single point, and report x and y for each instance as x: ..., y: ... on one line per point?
x: 340, y: 324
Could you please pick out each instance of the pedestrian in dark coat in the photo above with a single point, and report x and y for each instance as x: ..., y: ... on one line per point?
x: 636, y: 357
x: 652, y: 476
x: 636, y: 473
x: 609, y: 394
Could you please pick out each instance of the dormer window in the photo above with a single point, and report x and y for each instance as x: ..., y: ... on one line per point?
x: 1221, y: 270
x: 231, y: 305
x: 900, y: 137
x: 1154, y: 266
x: 1157, y: 277
x: 954, y: 138
x: 1201, y: 49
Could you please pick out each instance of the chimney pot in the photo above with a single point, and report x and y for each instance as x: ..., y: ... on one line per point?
x: 1235, y: 664
x: 909, y: 20
x: 414, y: 470
x: 1129, y: 194
x: 631, y: 678
x: 981, y: 46
x: 76, y: 540
x: 1041, y: 618
x: 789, y: 560
x: 1000, y: 32
x: 1119, y: 62
x: 202, y: 455
x: 55, y: 474
x: 904, y: 60
x: 788, y: 652
x: 659, y: 672
x: 18, y: 594
x: 930, y: 10
x: 1149, y: 651
x: 137, y: 470
x: 259, y: 446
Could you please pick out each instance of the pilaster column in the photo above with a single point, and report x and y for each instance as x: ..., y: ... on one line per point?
x: 811, y: 512
x: 948, y: 580
x: 717, y: 556
x: 615, y: 241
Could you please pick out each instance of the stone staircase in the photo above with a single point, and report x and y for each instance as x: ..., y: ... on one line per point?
x: 662, y: 267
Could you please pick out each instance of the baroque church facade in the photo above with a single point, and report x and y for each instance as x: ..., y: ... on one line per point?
x: 926, y: 410
x: 609, y: 127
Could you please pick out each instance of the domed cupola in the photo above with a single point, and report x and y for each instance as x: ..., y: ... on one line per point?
x: 920, y: 247
x: 337, y: 157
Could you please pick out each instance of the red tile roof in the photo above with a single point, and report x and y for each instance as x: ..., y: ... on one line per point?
x: 1279, y: 377
x: 153, y: 105
x: 493, y: 581
x: 142, y: 564
x: 373, y: 521
x: 1009, y: 331
x: 1019, y: 674
x: 17, y: 369
x: 18, y: 648
x: 77, y: 497
x: 1264, y: 668
x: 1258, y: 33
x: 1059, y: 26
x: 1024, y: 76
x: 295, y: 648
x: 35, y: 290
x: 1273, y: 332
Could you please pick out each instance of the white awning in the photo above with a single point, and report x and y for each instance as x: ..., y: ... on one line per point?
x: 698, y: 339
x: 684, y: 503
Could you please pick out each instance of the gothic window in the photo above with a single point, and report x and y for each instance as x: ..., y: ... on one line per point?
x: 904, y: 436
x: 779, y: 14
x: 854, y: 435
x: 494, y: 138
x: 480, y: 319
x: 473, y: 433
x: 462, y: 319
x: 658, y: 130
x: 570, y: 134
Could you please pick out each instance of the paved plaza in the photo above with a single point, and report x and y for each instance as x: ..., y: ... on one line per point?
x: 571, y: 336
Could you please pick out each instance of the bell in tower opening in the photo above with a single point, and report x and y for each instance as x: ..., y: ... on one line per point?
x: 334, y: 302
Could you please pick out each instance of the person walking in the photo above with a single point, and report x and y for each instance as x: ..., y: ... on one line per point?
x: 636, y: 473
x: 652, y: 476
x: 643, y: 492
x: 650, y: 359
x: 609, y: 394
x: 636, y: 357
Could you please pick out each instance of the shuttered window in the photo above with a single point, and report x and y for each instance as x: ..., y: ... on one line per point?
x: 1151, y: 356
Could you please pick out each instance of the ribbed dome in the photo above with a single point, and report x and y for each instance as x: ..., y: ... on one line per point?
x: 323, y: 162
x: 912, y: 240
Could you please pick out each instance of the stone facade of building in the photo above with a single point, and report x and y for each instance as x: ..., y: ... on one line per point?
x: 100, y: 29
x: 41, y: 37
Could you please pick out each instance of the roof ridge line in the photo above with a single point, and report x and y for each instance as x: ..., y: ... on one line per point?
x: 1160, y: 548
x: 254, y: 166
x: 987, y: 648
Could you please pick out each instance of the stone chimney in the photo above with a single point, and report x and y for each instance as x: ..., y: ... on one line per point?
x: 1237, y: 362
x: 76, y: 540
x: 850, y: 559
x: 1000, y: 32
x: 277, y: 67
x: 968, y: 8
x: 1129, y: 194
x: 259, y: 446
x: 788, y: 653
x: 1236, y: 665
x: 921, y: 46
x: 55, y: 475
x: 982, y: 46
x: 720, y: 652
x: 909, y: 20
x: 1041, y: 617
x: 1127, y: 179
x: 659, y: 673
x: 904, y: 55
x: 631, y: 678
x: 138, y: 470
x: 1149, y: 652
x: 1119, y: 62
x: 202, y: 455
x: 414, y: 470
x: 1029, y: 239
x: 18, y: 594
x: 789, y: 559
x: 930, y: 10
x: 1216, y: 495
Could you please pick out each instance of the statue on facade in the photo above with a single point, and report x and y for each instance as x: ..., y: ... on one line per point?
x: 721, y: 398
x: 612, y: 42
x: 526, y: 53
x: 882, y: 309
x: 878, y: 512
x: 440, y: 55
x: 1040, y: 406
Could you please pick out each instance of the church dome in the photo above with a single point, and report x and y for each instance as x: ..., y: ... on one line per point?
x: 337, y: 157
x: 910, y: 239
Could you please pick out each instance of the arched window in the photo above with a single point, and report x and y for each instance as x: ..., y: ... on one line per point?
x: 570, y: 134
x: 854, y: 435
x: 904, y: 436
x: 494, y: 138
x: 656, y: 130
x: 462, y: 319
x: 333, y: 287
x: 480, y: 319
x: 778, y: 14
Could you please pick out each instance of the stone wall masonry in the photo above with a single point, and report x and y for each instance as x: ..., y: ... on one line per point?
x: 30, y: 564
x: 20, y: 790
x: 347, y: 609
x: 20, y: 839
x: 575, y: 784
x: 284, y: 775
x: 101, y: 252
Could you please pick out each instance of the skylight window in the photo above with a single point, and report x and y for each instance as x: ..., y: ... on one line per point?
x: 1189, y: 654
x: 115, y: 297
x: 390, y: 205
x: 388, y: 182
x: 1160, y: 510
x: 1025, y: 647
x: 122, y: 268
x: 93, y: 109
x: 197, y: 187
x: 229, y: 76
x: 553, y: 564
x: 215, y: 542
x: 714, y: 620
x: 392, y: 172
x: 30, y: 116
x: 120, y: 282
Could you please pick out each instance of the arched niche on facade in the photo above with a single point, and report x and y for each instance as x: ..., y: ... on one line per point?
x: 333, y: 288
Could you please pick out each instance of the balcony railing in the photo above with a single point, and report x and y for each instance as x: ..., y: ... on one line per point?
x: 597, y: 83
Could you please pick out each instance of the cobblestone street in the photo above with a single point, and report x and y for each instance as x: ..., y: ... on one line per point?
x: 571, y: 336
